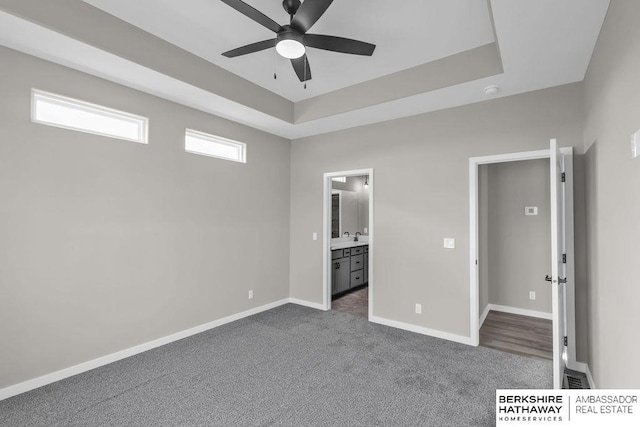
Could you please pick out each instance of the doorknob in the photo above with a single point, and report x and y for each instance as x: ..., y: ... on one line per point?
x: 548, y: 278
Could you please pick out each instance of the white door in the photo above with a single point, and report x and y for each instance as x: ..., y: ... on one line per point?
x: 558, y: 274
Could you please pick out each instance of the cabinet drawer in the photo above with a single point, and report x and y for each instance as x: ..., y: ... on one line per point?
x: 366, y: 249
x: 336, y: 254
x: 357, y: 250
x: 347, y: 252
x: 357, y: 262
x: 357, y: 278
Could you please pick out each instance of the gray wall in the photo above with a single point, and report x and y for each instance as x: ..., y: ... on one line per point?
x: 106, y: 244
x: 612, y: 89
x: 431, y: 152
x: 517, y: 246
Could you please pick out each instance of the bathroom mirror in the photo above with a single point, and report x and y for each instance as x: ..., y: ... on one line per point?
x: 349, y: 206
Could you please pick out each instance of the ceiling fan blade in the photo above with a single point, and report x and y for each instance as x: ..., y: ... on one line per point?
x: 339, y: 44
x: 254, y: 14
x: 250, y: 48
x: 301, y: 65
x: 308, y: 13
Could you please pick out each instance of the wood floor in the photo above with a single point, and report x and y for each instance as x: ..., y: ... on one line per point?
x: 523, y: 335
x: 356, y: 302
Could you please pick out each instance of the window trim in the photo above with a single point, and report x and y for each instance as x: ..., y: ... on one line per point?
x: 216, y: 140
x: 142, y: 122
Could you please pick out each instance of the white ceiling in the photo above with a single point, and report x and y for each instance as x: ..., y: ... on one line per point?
x: 406, y: 34
x: 542, y: 43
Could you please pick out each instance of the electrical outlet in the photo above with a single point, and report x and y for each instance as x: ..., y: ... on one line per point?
x: 366, y: 230
x: 532, y: 295
x: 314, y: 236
x: 418, y: 308
x: 251, y: 294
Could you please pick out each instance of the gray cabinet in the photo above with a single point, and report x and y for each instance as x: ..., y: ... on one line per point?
x: 357, y: 278
x: 340, y: 272
x: 358, y: 250
x: 349, y: 268
x: 357, y: 262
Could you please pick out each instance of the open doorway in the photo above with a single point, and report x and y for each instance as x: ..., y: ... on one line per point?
x: 348, y: 241
x: 514, y: 228
x: 561, y: 254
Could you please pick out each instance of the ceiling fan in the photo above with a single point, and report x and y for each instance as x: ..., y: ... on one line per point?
x: 292, y: 40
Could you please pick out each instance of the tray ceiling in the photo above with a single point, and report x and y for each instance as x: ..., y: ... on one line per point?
x: 430, y: 55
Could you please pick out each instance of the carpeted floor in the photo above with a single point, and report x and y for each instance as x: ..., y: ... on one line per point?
x: 290, y: 366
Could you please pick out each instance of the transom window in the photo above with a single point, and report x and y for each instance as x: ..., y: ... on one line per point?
x: 68, y: 113
x: 214, y: 146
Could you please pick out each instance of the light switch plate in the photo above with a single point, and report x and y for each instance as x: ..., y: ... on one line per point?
x: 315, y: 236
x: 635, y: 145
x: 449, y: 243
x: 531, y: 210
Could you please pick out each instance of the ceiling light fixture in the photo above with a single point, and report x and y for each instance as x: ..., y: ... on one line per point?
x: 366, y: 182
x: 291, y: 39
x: 289, y: 44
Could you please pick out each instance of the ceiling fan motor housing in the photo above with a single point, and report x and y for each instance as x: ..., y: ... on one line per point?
x: 289, y: 33
x: 291, y: 6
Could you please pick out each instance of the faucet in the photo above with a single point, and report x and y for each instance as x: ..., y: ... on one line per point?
x: 355, y: 239
x: 346, y: 232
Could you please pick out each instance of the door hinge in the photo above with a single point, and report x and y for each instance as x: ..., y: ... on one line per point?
x: 566, y: 341
x: 564, y: 258
x: 564, y: 177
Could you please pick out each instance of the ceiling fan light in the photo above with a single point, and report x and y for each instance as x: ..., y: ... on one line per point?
x: 290, y: 49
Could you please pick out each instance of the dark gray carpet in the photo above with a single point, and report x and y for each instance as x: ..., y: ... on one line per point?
x: 290, y: 366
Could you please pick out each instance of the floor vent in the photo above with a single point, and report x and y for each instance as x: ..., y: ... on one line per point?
x: 575, y: 381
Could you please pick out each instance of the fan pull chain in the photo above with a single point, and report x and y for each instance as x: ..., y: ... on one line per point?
x: 305, y: 71
x: 275, y: 64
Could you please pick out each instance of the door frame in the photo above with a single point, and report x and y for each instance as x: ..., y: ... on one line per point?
x: 326, y: 234
x: 474, y: 277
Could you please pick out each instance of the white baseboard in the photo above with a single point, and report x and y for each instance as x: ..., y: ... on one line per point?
x: 520, y: 311
x: 483, y: 317
x: 396, y: 324
x: 307, y: 304
x: 28, y: 385
x: 421, y: 330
